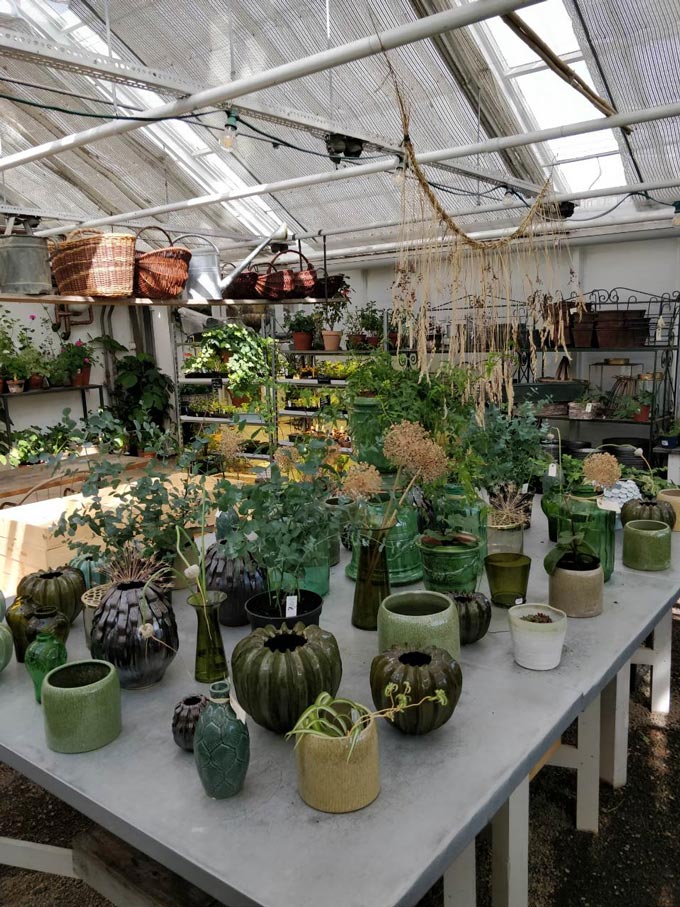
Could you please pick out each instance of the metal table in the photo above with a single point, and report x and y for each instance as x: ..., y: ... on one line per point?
x: 266, y: 847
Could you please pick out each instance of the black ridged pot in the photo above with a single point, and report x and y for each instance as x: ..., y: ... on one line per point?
x: 117, y: 634
x: 238, y: 578
x: 185, y: 718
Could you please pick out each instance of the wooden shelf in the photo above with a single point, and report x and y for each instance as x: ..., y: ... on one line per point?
x: 142, y: 301
x: 52, y: 390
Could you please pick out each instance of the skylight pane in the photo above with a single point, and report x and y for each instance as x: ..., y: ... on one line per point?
x: 549, y: 20
x: 554, y: 102
x: 596, y: 173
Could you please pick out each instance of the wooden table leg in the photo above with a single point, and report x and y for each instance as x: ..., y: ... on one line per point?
x: 510, y: 857
x: 585, y: 758
x: 460, y: 880
x: 659, y: 657
x: 614, y: 729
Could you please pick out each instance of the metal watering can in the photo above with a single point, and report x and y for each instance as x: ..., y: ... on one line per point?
x: 204, y: 268
x: 24, y: 265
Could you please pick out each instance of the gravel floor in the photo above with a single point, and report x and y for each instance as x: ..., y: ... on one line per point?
x: 632, y: 862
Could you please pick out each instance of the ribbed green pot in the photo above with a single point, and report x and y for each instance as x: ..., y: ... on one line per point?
x: 81, y: 706
x: 403, y: 558
x: 647, y: 545
x: 451, y: 568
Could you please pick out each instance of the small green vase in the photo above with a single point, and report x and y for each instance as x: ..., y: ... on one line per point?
x: 508, y: 575
x: 373, y: 578
x: 211, y: 660
x: 221, y: 745
x: 43, y: 654
x: 451, y: 568
x: 647, y: 545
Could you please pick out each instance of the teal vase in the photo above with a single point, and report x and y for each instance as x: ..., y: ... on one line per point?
x: 221, y: 745
x: 211, y: 660
x: 403, y: 558
x: 92, y: 569
x: 598, y: 526
x: 455, y: 512
x: 43, y: 654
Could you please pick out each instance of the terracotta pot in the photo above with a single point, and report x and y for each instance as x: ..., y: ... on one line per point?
x: 332, y: 783
x: 577, y: 592
x: 15, y: 387
x: 331, y: 340
x: 642, y: 414
x: 302, y: 340
x: 82, y: 377
x: 672, y: 496
x: 372, y: 340
x: 36, y: 382
x: 354, y: 341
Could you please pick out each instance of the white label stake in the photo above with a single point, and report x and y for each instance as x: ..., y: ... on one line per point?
x: 291, y: 605
x: 552, y: 470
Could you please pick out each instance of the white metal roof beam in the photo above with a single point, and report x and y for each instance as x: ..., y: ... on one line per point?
x: 527, y: 69
x: 320, y: 62
x: 315, y: 179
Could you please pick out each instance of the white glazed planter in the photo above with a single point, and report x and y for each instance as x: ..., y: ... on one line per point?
x: 537, y: 646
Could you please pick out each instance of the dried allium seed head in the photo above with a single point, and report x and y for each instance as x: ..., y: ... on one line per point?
x: 361, y: 482
x: 130, y: 567
x: 286, y: 458
x: 410, y: 447
x: 229, y: 443
x: 602, y: 469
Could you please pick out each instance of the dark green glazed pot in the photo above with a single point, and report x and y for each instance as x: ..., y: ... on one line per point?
x: 81, y: 706
x: 211, y: 661
x: 451, y: 568
x: 367, y: 435
x: 454, y: 511
x: 637, y: 509
x: 62, y: 588
x: 647, y: 545
x: 239, y: 578
x: 44, y: 653
x: 474, y: 614
x: 403, y: 557
x: 221, y: 745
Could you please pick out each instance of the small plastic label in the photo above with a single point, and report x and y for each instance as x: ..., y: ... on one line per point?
x: 552, y: 470
x: 573, y: 310
x: 519, y: 601
x: 589, y: 407
x: 291, y: 605
x: 525, y: 488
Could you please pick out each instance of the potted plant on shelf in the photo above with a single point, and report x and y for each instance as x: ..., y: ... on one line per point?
x: 625, y: 409
x: 16, y: 372
x: 655, y: 503
x: 336, y: 748
x: 670, y: 439
x: 576, y: 583
x: 537, y: 633
x: 591, y: 405
x: 74, y: 362
x: 372, y: 323
x: 356, y: 339
x: 644, y: 399
x: 301, y: 326
x: 331, y: 311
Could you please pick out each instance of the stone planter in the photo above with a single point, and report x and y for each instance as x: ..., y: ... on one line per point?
x: 646, y: 545
x: 537, y: 646
x: 672, y: 495
x: 419, y: 619
x: 81, y: 706
x: 577, y: 592
x: 332, y: 783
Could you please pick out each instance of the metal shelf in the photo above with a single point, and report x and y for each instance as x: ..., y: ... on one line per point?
x: 250, y: 419
x: 311, y: 382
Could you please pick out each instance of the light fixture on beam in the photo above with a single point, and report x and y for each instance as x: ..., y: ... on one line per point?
x: 229, y: 136
x: 343, y: 146
x: 399, y: 173
x: 508, y: 196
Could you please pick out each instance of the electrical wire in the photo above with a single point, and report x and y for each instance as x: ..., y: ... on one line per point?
x: 68, y: 94
x: 614, y: 207
x: 98, y: 116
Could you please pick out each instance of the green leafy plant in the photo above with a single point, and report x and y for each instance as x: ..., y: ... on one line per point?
x: 572, y: 552
x: 371, y: 319
x: 345, y: 718
x: 332, y: 310
x: 140, y: 390
x: 625, y: 408
x: 299, y: 322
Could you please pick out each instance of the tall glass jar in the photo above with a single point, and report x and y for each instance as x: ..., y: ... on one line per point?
x: 403, y: 556
x: 211, y: 660
x: 454, y: 510
x: 373, y: 578
x: 582, y: 515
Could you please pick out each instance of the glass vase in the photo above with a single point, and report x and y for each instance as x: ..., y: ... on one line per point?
x: 373, y: 578
x: 453, y: 510
x: 211, y: 661
x: 508, y: 538
x: 508, y: 575
x: 403, y: 557
x: 317, y: 573
x: 598, y: 526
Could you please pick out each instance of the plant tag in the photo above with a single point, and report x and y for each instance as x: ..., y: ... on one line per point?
x: 589, y: 407
x: 552, y: 470
x: 291, y: 606
x: 573, y: 310
x: 525, y: 488
x: 658, y: 336
x: 520, y: 600
x: 216, y: 383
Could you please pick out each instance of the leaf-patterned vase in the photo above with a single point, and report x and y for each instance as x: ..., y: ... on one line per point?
x: 44, y: 653
x: 221, y: 745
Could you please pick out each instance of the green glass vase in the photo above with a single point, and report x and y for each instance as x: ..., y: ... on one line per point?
x: 317, y: 573
x: 508, y: 576
x: 221, y: 745
x: 582, y: 515
x: 43, y: 654
x: 454, y: 511
x: 403, y: 557
x: 550, y: 505
x: 211, y: 660
x: 373, y: 578
x: 451, y: 568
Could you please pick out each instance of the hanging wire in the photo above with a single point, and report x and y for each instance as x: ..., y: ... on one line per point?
x: 107, y: 24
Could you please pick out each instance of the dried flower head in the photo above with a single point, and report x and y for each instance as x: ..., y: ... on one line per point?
x: 229, y: 443
x: 192, y: 572
x: 361, y: 482
x: 286, y: 458
x: 411, y: 448
x: 510, y: 509
x: 602, y: 469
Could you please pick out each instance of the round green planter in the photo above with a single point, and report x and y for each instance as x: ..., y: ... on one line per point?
x: 81, y: 706
x: 451, y: 568
x: 646, y: 545
x: 453, y: 510
x: 403, y: 558
x: 6, y: 638
x: 419, y: 619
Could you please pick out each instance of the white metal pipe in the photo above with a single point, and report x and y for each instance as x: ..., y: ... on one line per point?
x: 419, y: 30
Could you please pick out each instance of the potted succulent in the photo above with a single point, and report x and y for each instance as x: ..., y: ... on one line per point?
x: 301, y: 326
x: 336, y: 748
x: 537, y: 633
x: 331, y: 311
x: 576, y: 582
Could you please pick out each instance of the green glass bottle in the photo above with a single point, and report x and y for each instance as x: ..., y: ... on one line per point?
x: 211, y: 660
x: 582, y: 515
x: 221, y: 745
x: 373, y: 577
x: 43, y: 654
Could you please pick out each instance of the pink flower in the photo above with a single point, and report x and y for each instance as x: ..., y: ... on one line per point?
x: 32, y: 317
x: 78, y: 343
x: 87, y: 361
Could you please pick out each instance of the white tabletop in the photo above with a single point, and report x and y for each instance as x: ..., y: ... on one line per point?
x: 265, y: 845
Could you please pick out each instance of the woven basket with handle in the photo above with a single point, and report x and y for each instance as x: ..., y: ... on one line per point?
x: 92, y: 263
x: 275, y: 284
x: 162, y: 273
x: 306, y: 278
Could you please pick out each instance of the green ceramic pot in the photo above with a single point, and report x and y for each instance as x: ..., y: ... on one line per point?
x: 453, y: 510
x: 81, y: 706
x: 419, y: 619
x: 221, y: 745
x: 647, y: 545
x: 403, y: 558
x: 43, y: 654
x: 6, y: 638
x: 451, y: 568
x: 508, y: 576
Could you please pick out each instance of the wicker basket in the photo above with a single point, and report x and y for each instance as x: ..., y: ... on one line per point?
x: 161, y: 274
x: 92, y: 263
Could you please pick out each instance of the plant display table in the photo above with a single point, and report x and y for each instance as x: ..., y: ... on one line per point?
x: 265, y: 846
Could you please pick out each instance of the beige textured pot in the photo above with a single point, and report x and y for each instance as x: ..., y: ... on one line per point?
x: 577, y: 592
x: 331, y: 340
x: 331, y: 783
x: 672, y: 495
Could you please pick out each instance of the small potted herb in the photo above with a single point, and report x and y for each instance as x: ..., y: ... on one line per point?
x: 301, y: 326
x: 537, y: 633
x: 576, y: 577
x: 372, y: 323
x: 331, y: 312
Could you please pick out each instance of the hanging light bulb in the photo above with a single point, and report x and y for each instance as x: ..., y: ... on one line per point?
x: 676, y: 215
x: 509, y: 196
x: 229, y: 136
x: 399, y: 173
